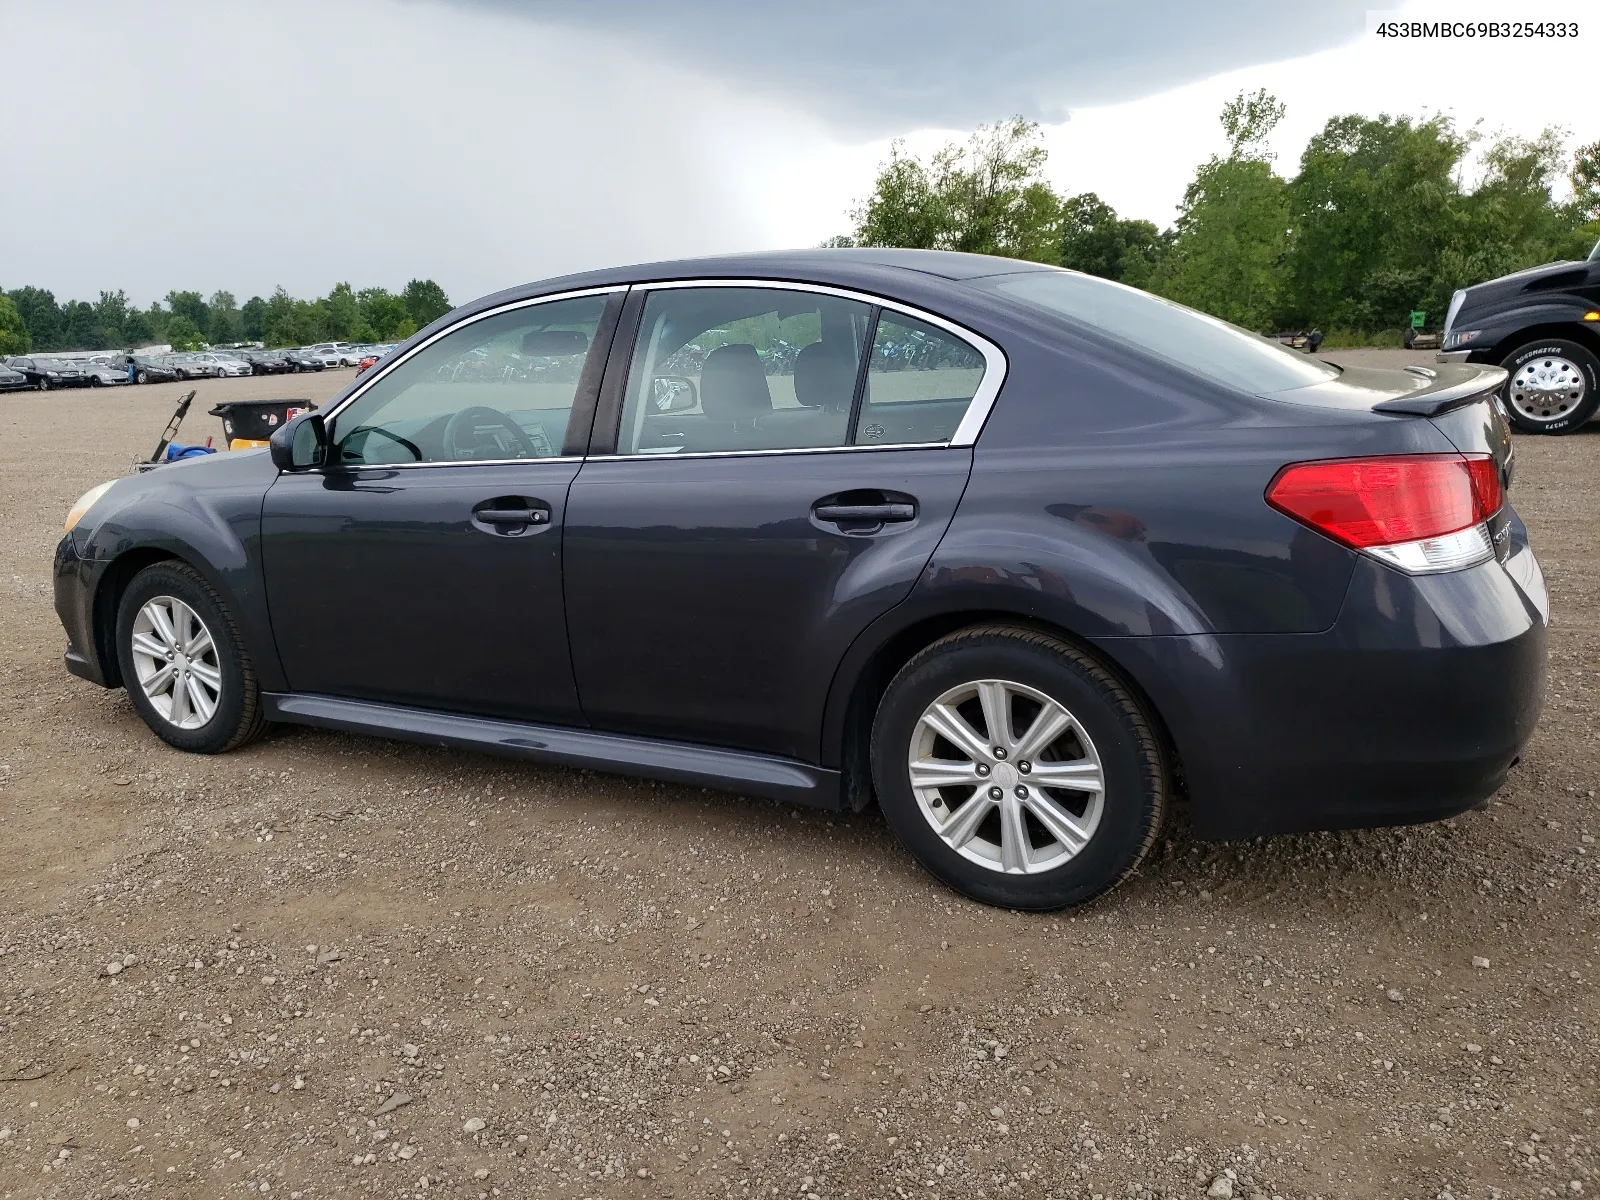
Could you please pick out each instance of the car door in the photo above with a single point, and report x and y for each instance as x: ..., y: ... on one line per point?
x: 748, y: 508
x: 422, y: 565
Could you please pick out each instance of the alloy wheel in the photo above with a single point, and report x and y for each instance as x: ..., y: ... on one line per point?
x: 176, y: 660
x: 1006, y: 776
x: 1547, y: 388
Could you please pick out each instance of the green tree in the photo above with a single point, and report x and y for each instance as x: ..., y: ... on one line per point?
x: 425, y: 301
x: 223, y: 318
x: 1233, y: 227
x: 83, y: 331
x: 253, y: 319
x: 1098, y: 242
x: 192, y: 308
x: 111, y: 313
x: 343, y: 312
x: 46, y: 322
x: 183, y: 333
x: 1585, y: 180
x: 985, y: 196
x: 1372, y: 207
x: 386, y: 314
x: 137, y: 329
x: 14, y: 337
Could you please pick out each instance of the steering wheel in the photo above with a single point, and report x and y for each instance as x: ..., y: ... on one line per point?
x: 481, y: 414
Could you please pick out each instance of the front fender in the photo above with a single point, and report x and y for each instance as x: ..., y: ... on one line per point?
x: 206, y: 512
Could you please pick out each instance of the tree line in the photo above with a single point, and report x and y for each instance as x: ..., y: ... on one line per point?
x: 1378, y: 221
x: 31, y: 319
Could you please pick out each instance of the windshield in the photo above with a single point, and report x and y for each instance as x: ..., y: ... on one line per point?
x: 1191, y: 339
x: 1594, y: 255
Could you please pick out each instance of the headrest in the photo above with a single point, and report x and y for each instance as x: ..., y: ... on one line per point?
x: 733, y: 384
x: 825, y: 376
x: 552, y: 343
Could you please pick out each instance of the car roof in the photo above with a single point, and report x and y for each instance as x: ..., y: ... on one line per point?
x: 868, y: 268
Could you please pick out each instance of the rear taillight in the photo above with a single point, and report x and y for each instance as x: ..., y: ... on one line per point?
x: 1418, y: 512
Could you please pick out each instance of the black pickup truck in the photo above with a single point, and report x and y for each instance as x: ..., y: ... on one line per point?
x: 1543, y: 326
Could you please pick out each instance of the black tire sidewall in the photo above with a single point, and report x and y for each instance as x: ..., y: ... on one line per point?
x: 1130, y: 808
x: 1586, y: 361
x: 164, y: 579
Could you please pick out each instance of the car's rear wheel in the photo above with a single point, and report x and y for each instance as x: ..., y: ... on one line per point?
x: 1554, y: 386
x: 1018, y: 769
x: 183, y: 664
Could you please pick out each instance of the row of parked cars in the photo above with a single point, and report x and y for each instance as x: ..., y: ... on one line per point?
x: 44, y: 372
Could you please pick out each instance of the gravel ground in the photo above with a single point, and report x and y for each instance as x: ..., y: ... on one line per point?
x: 331, y: 966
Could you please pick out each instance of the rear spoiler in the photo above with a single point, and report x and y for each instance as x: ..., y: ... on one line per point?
x: 1430, y: 402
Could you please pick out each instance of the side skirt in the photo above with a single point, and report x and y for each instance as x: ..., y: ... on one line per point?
x: 676, y: 762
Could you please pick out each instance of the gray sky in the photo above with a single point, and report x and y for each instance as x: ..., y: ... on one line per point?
x: 213, y: 144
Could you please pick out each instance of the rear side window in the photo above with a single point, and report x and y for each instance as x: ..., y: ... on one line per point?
x: 728, y: 369
x: 1201, y: 343
x: 920, y: 381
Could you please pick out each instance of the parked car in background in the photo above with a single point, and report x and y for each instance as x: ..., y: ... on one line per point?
x: 267, y: 362
x: 1543, y: 326
x: 45, y: 373
x: 328, y: 358
x: 13, y: 381
x: 1018, y: 552
x: 337, y: 354
x: 155, y: 369
x: 103, y: 372
x: 233, y: 365
x: 304, y: 360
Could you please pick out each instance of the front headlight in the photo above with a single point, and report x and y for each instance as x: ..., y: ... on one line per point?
x: 85, y: 503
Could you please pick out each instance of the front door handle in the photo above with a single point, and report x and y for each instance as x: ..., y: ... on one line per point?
x: 865, y: 512
x: 513, y: 516
x: 507, y: 515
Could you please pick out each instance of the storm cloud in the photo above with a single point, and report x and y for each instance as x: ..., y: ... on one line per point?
x: 885, y: 66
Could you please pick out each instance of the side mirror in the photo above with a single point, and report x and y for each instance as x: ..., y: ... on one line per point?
x: 672, y: 393
x: 300, y: 444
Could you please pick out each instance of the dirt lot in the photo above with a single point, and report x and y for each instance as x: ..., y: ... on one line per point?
x: 348, y: 967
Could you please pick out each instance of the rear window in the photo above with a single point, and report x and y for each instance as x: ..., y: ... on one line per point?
x: 1203, y: 344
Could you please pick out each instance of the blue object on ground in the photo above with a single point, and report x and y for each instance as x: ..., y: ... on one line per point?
x: 175, y: 451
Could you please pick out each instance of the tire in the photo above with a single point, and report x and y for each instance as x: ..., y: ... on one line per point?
x: 44, y: 384
x: 1113, y: 737
x: 1554, y: 385
x: 143, y: 377
x: 236, y: 715
x: 94, y: 381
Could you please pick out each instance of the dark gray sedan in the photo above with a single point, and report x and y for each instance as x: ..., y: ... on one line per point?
x: 1019, y: 554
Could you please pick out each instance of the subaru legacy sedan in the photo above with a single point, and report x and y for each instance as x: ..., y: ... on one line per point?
x: 1025, y: 556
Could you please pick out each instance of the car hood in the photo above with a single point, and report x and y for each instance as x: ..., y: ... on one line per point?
x: 1415, y: 391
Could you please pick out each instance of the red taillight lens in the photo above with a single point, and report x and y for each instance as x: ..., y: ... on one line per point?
x: 1368, y: 502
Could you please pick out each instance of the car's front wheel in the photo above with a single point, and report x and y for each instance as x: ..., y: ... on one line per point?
x: 1018, y: 769
x: 1554, y: 385
x: 183, y: 664
x: 143, y: 376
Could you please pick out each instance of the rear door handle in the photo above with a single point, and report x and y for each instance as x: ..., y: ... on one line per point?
x: 865, y: 512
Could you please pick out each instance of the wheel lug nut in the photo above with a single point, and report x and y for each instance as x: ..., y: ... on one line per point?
x: 983, y: 769
x: 1022, y: 792
x: 999, y: 751
x: 996, y: 793
x: 1024, y: 767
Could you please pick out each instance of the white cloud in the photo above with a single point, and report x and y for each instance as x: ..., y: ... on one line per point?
x: 239, y: 145
x: 1139, y: 155
x: 203, y: 145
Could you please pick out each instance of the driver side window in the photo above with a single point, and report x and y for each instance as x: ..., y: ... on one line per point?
x: 494, y: 389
